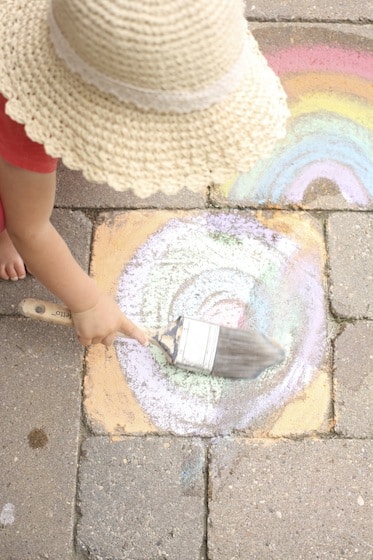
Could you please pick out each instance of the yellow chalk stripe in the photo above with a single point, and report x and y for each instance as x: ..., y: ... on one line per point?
x: 108, y: 401
x: 345, y: 106
x: 301, y: 227
x: 225, y: 188
x: 309, y: 412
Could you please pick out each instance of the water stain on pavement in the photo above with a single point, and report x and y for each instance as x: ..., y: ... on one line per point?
x: 37, y: 438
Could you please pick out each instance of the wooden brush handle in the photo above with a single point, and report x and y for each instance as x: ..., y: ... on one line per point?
x: 46, y: 311
x: 49, y: 312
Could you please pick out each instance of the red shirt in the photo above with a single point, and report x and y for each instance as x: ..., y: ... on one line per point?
x: 17, y: 148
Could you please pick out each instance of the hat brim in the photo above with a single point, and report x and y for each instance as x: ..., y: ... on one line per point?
x: 119, y: 144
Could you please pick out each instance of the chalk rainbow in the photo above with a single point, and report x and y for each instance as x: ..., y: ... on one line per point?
x: 330, y: 135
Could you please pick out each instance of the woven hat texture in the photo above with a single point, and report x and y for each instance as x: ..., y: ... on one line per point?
x: 149, y: 96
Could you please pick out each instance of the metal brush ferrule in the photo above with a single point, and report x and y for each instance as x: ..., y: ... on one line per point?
x: 197, y: 345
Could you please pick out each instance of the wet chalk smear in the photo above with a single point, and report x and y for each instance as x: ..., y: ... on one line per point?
x: 234, y: 269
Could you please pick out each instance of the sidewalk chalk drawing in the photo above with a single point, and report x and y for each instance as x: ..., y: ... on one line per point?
x: 234, y: 269
x: 329, y: 145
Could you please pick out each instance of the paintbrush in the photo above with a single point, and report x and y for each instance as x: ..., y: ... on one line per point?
x: 190, y: 344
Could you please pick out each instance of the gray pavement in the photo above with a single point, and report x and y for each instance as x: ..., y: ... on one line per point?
x: 298, y: 499
x: 318, y: 10
x: 351, y: 271
x: 40, y: 420
x: 142, y: 498
x: 67, y: 493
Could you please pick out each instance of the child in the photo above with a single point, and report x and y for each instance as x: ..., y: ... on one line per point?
x: 27, y: 187
x: 148, y: 96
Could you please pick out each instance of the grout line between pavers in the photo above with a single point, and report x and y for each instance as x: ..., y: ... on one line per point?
x: 207, y: 499
x: 331, y: 319
x: 300, y: 20
x: 297, y: 438
x: 93, y: 213
x: 84, y: 429
x: 83, y: 433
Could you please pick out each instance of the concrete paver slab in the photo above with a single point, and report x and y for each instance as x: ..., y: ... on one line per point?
x: 353, y: 381
x: 326, y: 159
x: 74, y: 190
x: 350, y: 237
x: 290, y: 500
x: 263, y: 271
x: 142, y: 498
x: 319, y: 10
x: 76, y: 229
x: 40, y: 421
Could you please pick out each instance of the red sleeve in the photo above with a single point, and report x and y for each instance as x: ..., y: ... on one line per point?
x: 2, y: 218
x: 17, y: 148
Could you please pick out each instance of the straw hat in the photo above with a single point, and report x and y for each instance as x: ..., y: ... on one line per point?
x: 149, y: 95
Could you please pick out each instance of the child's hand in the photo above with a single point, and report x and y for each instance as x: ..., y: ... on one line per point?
x: 102, y: 322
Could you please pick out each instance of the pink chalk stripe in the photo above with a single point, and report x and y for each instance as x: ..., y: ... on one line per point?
x: 322, y: 58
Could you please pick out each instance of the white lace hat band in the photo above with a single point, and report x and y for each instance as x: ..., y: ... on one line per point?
x: 183, y: 101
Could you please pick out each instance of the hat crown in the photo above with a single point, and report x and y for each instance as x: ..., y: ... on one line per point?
x: 170, y: 45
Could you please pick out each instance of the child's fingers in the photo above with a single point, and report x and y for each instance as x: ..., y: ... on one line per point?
x: 108, y: 340
x: 103, y: 322
x: 131, y: 330
x: 85, y: 341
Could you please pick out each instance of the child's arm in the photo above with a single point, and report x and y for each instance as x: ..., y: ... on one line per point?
x: 28, y: 199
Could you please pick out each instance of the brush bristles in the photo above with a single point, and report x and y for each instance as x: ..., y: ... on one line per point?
x: 244, y: 354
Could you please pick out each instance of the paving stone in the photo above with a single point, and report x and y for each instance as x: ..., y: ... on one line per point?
x: 319, y: 10
x: 285, y: 500
x: 40, y: 421
x: 76, y: 230
x: 142, y: 499
x: 350, y: 238
x: 73, y: 190
x: 353, y: 381
x: 261, y: 271
x: 325, y: 160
